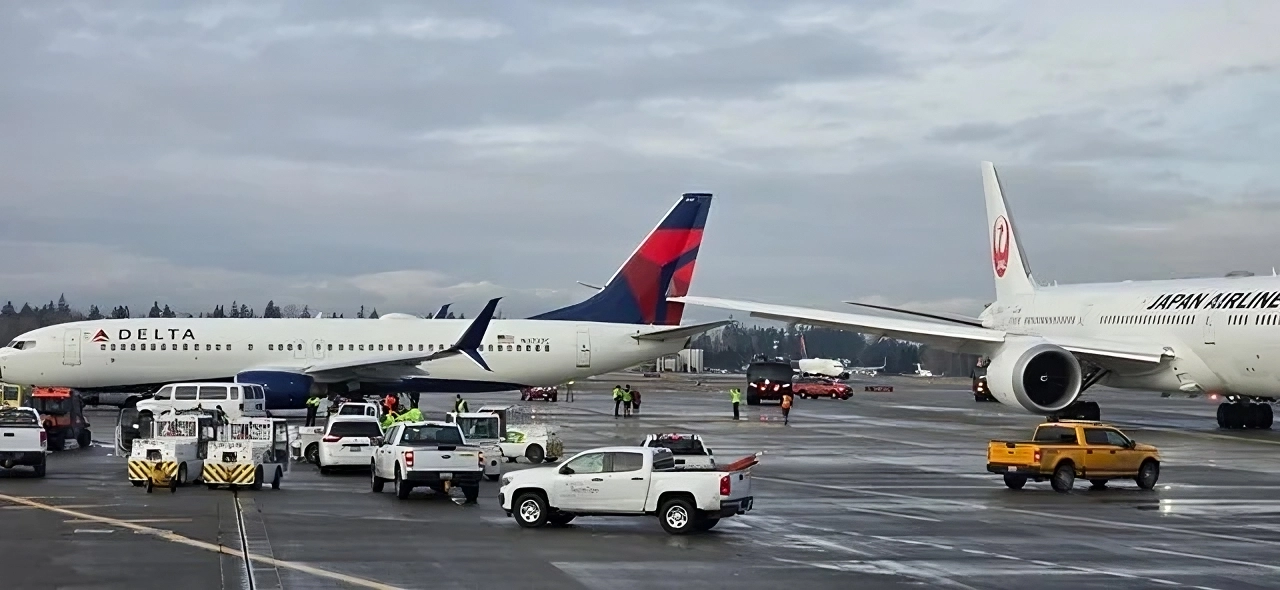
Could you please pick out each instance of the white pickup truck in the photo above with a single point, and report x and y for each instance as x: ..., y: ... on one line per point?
x: 23, y: 440
x: 427, y: 454
x: 627, y: 481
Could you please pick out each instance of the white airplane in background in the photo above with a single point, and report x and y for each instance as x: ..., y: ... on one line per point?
x: 1048, y: 344
x: 628, y: 322
x: 922, y: 372
x: 869, y: 371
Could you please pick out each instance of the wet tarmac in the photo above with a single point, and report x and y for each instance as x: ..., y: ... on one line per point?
x: 886, y: 490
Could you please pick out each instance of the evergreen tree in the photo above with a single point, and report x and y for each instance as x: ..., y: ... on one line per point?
x: 245, y: 312
x: 235, y: 310
x: 8, y: 310
x: 306, y: 312
x: 462, y: 316
x: 120, y: 312
x: 167, y: 313
x: 155, y: 310
x: 360, y: 314
x: 374, y: 314
x: 63, y: 308
x: 94, y: 313
x: 271, y: 311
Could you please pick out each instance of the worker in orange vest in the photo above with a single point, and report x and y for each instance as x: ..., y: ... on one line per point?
x: 786, y: 408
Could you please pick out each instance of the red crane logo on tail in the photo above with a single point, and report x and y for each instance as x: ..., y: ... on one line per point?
x: 1000, y: 246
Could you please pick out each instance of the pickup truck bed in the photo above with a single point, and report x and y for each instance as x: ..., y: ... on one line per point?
x: 437, y: 465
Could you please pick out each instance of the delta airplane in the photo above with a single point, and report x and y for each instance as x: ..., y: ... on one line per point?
x: 629, y: 321
x: 1047, y: 345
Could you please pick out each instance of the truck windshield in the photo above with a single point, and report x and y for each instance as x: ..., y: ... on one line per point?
x: 679, y: 446
x: 773, y: 371
x: 445, y: 435
x: 367, y: 428
x: 17, y: 418
x: 352, y: 410
x: 56, y: 406
x: 480, y: 427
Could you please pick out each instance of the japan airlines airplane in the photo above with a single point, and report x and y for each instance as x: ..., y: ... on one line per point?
x: 1048, y: 344
x: 627, y: 322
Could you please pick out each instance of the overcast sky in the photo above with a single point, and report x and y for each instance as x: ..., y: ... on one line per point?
x: 405, y: 155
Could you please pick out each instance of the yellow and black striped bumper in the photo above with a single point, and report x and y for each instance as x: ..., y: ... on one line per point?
x: 142, y: 470
x: 239, y: 474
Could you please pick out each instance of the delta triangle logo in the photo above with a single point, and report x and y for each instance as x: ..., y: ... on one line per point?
x: 101, y: 336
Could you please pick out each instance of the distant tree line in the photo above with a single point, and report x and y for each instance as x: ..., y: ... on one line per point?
x: 734, y: 346
x: 15, y: 321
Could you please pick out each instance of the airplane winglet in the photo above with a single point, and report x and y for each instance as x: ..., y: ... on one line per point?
x: 443, y: 313
x: 469, y: 342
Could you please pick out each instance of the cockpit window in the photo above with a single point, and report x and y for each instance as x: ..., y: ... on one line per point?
x: 22, y: 344
x: 12, y: 344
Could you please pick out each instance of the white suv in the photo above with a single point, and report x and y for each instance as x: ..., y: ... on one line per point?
x: 349, y: 441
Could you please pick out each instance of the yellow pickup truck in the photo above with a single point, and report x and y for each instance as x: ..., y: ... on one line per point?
x: 1064, y: 450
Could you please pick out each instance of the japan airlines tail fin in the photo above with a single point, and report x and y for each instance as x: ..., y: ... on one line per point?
x: 661, y: 267
x: 1010, y: 268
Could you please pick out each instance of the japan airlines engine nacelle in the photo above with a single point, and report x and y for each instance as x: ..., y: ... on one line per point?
x: 1034, y: 374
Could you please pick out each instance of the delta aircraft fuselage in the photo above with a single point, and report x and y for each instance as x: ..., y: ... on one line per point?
x: 107, y: 353
x: 1223, y: 334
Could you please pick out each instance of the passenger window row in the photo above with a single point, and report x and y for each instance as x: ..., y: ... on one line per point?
x: 1149, y: 320
x: 341, y: 347
x: 165, y: 346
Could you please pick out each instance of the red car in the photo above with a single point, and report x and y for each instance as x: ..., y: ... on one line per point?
x: 816, y: 388
x: 544, y: 394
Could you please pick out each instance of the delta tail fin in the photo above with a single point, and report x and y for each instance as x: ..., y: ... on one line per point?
x: 661, y: 267
x: 1008, y: 265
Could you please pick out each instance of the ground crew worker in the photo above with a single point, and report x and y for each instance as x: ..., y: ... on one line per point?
x: 626, y: 402
x: 786, y: 408
x: 460, y: 405
x: 617, y: 399
x: 390, y: 402
x: 735, y: 395
x: 313, y: 405
x: 413, y: 415
x: 635, y: 402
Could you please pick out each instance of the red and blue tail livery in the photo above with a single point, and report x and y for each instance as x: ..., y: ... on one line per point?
x: 661, y: 267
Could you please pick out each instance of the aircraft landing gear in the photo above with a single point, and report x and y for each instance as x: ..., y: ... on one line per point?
x: 1081, y: 410
x: 1237, y: 415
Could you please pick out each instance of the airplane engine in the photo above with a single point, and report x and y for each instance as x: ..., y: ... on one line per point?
x: 285, y: 390
x: 1035, y: 375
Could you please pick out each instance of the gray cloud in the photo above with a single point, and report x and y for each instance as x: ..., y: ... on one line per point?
x: 336, y: 154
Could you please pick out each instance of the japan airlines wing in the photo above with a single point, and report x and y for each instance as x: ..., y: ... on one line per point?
x: 468, y: 344
x: 954, y: 337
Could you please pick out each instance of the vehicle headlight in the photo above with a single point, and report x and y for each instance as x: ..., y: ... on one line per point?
x: 506, y: 479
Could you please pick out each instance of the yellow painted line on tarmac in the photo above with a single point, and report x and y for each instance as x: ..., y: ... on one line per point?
x: 181, y: 540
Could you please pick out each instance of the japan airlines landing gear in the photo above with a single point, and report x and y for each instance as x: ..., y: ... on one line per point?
x: 1081, y: 410
x: 1240, y: 414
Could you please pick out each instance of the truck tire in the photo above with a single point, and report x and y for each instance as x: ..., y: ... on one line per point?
x: 39, y: 469
x: 677, y: 516
x: 1148, y: 474
x: 312, y: 454
x: 84, y: 439
x: 275, y: 481
x: 402, y: 488
x: 1064, y: 477
x: 492, y: 476
x: 471, y: 493
x: 531, y: 510
x: 753, y: 400
x: 534, y: 453
x: 257, y: 479
x: 705, y: 524
x: 1014, y: 482
x: 181, y: 477
x: 375, y: 483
